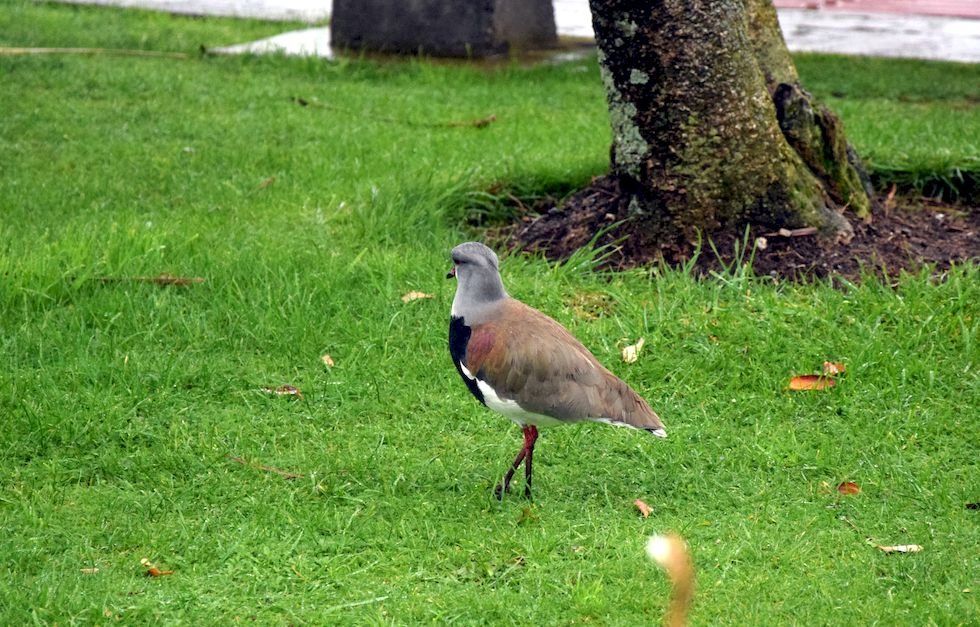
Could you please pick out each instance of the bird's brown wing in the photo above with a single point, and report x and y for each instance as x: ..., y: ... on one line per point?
x: 527, y: 357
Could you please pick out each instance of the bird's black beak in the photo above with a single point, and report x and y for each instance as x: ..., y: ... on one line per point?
x: 452, y: 273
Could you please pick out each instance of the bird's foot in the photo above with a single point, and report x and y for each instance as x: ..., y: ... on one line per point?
x: 500, y: 489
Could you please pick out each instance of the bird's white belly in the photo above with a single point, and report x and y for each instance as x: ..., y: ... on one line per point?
x: 512, y: 410
x: 509, y: 407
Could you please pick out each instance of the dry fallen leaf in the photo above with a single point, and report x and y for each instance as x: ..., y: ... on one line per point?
x: 849, y: 487
x: 267, y: 182
x: 166, y: 278
x: 900, y: 548
x: 890, y: 199
x: 645, y: 509
x: 285, y: 390
x: 328, y: 361
x: 831, y: 368
x: 90, y: 571
x: 811, y: 382
x: 407, y: 298
x: 632, y: 352
x: 153, y: 571
x: 482, y: 122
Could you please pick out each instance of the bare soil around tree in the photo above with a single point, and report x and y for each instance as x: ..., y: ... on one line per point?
x: 903, y: 234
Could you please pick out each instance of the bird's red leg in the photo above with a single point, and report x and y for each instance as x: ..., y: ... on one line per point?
x: 530, y: 437
x: 505, y: 486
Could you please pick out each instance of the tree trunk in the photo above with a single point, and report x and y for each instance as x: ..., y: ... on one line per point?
x: 711, y: 128
x: 814, y: 132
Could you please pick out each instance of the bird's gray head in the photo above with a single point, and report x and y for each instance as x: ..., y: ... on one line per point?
x: 477, y: 273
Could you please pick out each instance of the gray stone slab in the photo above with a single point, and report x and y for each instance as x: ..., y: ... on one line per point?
x: 444, y: 28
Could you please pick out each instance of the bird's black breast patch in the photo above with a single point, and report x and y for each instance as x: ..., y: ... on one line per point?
x: 459, y: 337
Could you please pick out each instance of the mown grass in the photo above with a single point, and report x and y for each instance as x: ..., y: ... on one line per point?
x: 915, y: 123
x: 122, y: 402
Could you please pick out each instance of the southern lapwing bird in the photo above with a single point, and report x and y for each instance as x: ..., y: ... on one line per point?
x: 521, y: 363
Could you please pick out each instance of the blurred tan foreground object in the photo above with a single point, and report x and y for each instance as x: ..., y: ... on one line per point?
x: 671, y: 553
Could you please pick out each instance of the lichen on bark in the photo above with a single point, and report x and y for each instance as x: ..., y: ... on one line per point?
x: 628, y: 144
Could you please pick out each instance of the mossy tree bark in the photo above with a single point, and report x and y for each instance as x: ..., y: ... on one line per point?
x: 711, y: 127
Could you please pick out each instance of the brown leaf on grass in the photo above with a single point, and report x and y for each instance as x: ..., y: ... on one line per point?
x: 327, y: 361
x: 164, y: 278
x: 285, y: 390
x: 153, y: 571
x: 832, y: 368
x: 848, y: 487
x: 632, y: 352
x: 413, y: 295
x: 645, y: 509
x: 487, y: 121
x: 889, y: 203
x: 811, y: 382
x: 900, y: 548
x: 267, y: 182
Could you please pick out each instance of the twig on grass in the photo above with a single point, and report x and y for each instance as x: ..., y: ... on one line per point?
x: 282, y: 473
x: 344, y: 606
x: 901, y: 548
x: 119, y: 52
x: 804, y: 232
x: 477, y: 123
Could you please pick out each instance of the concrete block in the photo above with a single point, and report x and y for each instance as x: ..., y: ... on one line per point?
x: 450, y: 28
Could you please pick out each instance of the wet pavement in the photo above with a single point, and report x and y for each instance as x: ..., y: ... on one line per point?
x: 946, y: 30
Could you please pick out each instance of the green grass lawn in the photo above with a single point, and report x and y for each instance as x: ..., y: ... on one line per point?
x: 123, y: 402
